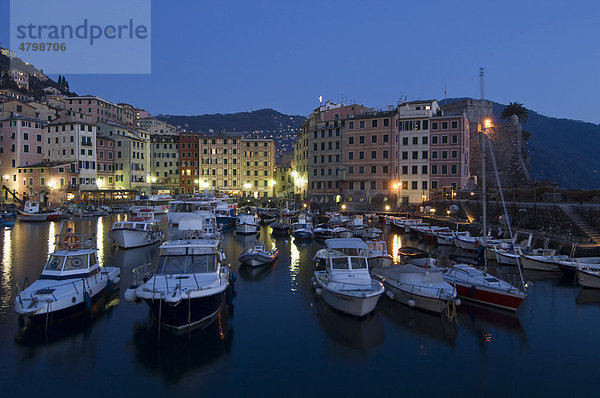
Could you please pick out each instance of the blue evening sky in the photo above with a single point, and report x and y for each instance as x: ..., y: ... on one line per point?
x: 231, y: 56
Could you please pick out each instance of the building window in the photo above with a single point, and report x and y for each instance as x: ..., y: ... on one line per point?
x: 350, y: 140
x: 350, y: 125
x: 444, y: 139
x: 455, y: 125
x: 385, y: 169
x: 361, y: 139
x: 361, y: 124
x: 350, y: 156
x: 434, y: 125
x: 454, y: 154
x: 415, y: 169
x: 423, y: 169
x: 454, y: 139
x: 385, y: 154
x: 434, y: 169
x: 374, y: 138
x: 415, y: 185
x: 373, y: 154
x: 444, y: 169
x: 444, y: 125
x: 444, y: 154
x: 386, y: 137
x: 453, y: 169
x: 373, y: 169
x: 405, y: 141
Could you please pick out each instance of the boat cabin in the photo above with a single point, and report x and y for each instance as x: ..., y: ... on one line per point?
x: 75, y: 257
x: 377, y: 246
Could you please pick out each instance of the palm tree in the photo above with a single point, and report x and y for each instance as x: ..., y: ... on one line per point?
x: 515, y: 108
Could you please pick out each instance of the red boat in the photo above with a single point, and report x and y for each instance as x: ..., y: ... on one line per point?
x: 476, y: 285
x: 31, y: 212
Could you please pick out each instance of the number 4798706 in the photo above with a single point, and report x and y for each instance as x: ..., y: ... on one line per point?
x: 43, y: 46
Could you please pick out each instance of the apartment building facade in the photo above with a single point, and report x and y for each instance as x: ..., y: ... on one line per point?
x: 21, y: 145
x: 189, y: 162
x: 74, y: 142
x: 450, y: 151
x: 102, y: 110
x: 238, y: 165
x: 132, y: 156
x: 105, y: 159
x: 164, y: 162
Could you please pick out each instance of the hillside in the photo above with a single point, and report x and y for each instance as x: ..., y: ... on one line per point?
x: 263, y: 120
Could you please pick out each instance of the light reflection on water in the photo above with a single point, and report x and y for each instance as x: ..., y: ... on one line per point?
x: 294, y: 267
x: 100, y: 240
x: 51, y: 237
x: 6, y: 281
x: 396, y: 245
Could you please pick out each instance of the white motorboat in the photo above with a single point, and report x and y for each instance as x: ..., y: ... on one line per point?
x: 346, y: 284
x: 589, y: 278
x: 341, y: 232
x: 190, y: 207
x: 476, y: 285
x: 71, y: 282
x: 31, y: 212
x: 542, y: 263
x: 189, y: 284
x: 323, y: 231
x: 158, y: 203
x: 247, y: 224
x: 141, y: 230
x: 378, y: 254
x: 258, y: 255
x: 417, y: 287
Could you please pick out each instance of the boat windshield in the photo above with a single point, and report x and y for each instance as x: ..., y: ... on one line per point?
x: 339, y: 263
x: 195, y: 264
x: 358, y: 262
x: 76, y: 262
x: 54, y: 263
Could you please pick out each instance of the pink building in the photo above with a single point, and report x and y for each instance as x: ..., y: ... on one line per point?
x: 105, y: 159
x: 21, y: 145
x: 449, y: 151
x: 371, y: 150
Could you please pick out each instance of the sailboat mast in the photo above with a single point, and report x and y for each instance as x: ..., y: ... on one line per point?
x: 483, y: 161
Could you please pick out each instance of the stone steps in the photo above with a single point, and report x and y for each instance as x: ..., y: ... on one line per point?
x: 589, y: 230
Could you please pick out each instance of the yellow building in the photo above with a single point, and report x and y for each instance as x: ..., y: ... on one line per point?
x: 237, y: 165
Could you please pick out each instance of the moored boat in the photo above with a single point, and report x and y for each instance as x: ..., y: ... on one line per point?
x: 71, y: 282
x: 476, y: 285
x: 189, y: 284
x: 141, y: 230
x: 417, y: 287
x: 31, y: 212
x: 258, y: 255
x: 247, y: 224
x: 346, y: 284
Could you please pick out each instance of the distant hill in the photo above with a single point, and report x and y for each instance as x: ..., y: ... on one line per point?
x: 265, y: 120
x: 563, y: 150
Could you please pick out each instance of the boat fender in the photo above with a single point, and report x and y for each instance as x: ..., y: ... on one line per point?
x: 111, y: 286
x: 472, y: 291
x: 389, y: 294
x: 130, y: 294
x: 88, y: 299
x: 411, y: 303
x: 457, y: 301
x: 318, y: 291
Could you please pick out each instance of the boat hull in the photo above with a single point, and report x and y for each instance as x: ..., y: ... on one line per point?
x: 247, y: 229
x: 425, y: 303
x: 128, y: 239
x: 226, y: 223
x: 531, y: 263
x: 480, y: 294
x: 187, y: 312
x: 37, y: 217
x: 71, y: 304
x: 588, y: 279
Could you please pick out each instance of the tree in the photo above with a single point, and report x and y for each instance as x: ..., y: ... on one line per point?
x: 515, y: 108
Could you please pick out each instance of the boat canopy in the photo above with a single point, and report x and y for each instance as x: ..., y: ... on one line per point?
x: 346, y: 243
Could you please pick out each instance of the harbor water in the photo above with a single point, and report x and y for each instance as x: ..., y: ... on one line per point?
x: 279, y: 339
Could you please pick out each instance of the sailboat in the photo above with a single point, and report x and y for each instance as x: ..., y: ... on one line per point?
x: 477, y: 284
